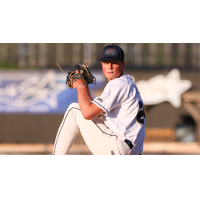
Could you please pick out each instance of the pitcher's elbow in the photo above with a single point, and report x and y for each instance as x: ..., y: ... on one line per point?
x: 88, y: 116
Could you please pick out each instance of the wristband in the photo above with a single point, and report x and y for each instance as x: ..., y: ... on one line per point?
x: 80, y: 84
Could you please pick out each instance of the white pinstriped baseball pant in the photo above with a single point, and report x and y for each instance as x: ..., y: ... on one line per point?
x: 99, y: 139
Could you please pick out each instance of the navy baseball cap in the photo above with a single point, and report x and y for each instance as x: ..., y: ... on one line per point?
x: 112, y: 52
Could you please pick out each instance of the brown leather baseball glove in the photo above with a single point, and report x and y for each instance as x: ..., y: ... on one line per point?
x: 83, y: 74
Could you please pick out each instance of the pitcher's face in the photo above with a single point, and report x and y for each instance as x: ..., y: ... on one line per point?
x: 112, y: 69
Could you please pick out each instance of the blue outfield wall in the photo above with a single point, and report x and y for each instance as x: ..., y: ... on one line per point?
x: 39, y: 92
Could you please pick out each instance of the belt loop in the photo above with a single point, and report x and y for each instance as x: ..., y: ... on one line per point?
x: 129, y: 143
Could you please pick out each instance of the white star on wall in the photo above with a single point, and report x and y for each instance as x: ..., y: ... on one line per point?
x: 163, y: 88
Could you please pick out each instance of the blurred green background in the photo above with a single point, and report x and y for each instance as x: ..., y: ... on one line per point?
x: 137, y: 55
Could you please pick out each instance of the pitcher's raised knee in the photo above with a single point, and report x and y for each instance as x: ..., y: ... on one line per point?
x: 71, y: 106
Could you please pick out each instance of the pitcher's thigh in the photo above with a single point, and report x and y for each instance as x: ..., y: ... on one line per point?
x: 99, y: 139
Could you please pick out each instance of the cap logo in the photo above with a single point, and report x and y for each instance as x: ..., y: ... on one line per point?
x: 110, y: 52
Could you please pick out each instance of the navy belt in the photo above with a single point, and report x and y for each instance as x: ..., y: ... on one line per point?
x: 129, y: 143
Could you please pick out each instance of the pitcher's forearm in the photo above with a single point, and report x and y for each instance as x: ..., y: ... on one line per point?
x: 83, y: 99
x: 88, y: 109
x: 89, y: 94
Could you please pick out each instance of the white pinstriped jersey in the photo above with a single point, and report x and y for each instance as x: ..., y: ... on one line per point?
x: 123, y: 109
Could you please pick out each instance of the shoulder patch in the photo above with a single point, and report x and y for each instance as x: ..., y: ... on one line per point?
x: 99, y: 99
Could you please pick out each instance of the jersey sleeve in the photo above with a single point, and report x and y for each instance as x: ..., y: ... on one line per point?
x: 112, y: 96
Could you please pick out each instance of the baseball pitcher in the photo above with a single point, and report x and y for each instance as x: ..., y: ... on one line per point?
x: 122, y: 131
